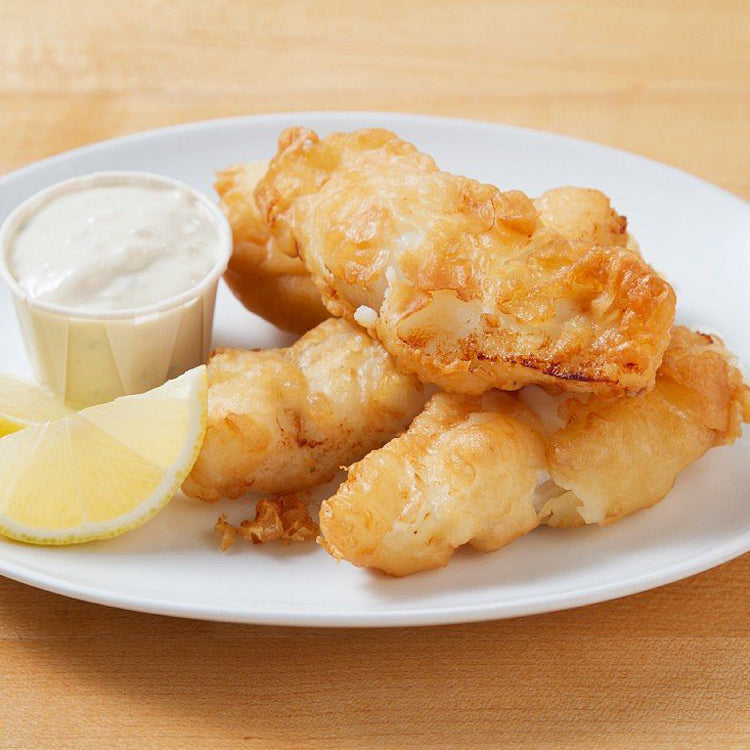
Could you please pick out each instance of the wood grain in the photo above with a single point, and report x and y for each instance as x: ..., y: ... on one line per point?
x: 663, y: 669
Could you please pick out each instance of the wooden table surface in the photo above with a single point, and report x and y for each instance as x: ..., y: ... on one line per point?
x: 667, y: 668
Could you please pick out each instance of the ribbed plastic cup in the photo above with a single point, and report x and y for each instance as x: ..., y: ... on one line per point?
x: 93, y: 357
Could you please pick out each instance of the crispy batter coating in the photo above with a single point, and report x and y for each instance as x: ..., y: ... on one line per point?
x: 618, y: 457
x: 283, y: 518
x: 486, y: 470
x: 281, y: 420
x: 464, y: 472
x: 468, y: 289
x: 267, y: 282
x: 582, y: 215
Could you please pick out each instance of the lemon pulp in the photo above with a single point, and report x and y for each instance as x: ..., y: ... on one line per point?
x: 23, y: 404
x: 102, y: 471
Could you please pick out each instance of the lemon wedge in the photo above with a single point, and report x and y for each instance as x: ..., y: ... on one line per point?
x: 23, y: 404
x: 102, y: 471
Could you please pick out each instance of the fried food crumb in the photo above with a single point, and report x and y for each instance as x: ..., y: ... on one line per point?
x: 227, y: 530
x: 284, y: 518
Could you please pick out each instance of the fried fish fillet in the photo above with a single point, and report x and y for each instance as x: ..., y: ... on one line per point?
x: 486, y: 470
x: 614, y: 458
x: 281, y: 420
x: 279, y: 288
x: 465, y: 471
x: 267, y: 282
x: 462, y: 283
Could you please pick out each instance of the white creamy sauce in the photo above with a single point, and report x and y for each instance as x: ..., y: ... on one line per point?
x: 114, y: 248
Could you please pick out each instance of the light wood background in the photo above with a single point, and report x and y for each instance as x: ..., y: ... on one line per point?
x: 668, y: 668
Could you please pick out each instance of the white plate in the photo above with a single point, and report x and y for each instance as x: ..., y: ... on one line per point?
x: 696, y: 233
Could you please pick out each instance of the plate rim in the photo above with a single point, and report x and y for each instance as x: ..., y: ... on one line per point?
x: 393, y: 115
x: 404, y: 616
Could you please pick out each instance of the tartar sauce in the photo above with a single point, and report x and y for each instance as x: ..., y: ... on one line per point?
x: 108, y: 248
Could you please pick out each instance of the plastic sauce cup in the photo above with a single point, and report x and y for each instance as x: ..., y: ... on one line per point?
x: 93, y: 357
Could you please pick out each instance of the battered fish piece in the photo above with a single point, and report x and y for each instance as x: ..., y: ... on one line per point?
x: 282, y: 420
x: 462, y: 283
x: 487, y: 470
x: 279, y: 288
x: 614, y: 458
x: 266, y: 281
x: 465, y: 471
